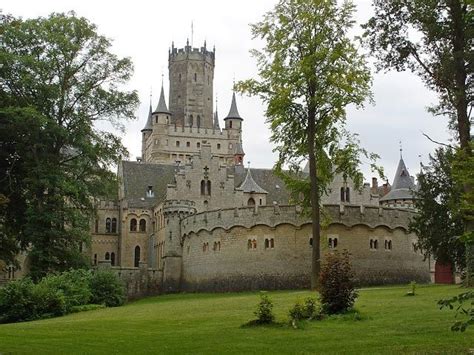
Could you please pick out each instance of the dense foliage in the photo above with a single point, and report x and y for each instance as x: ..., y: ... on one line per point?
x: 309, y: 72
x: 264, y: 311
x: 464, y: 306
x: 338, y: 292
x: 58, y: 294
x: 433, y: 39
x: 439, y: 221
x: 58, y: 78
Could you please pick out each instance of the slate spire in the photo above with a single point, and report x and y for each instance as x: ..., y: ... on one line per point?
x: 161, y: 108
x: 233, y: 112
x: 149, y: 121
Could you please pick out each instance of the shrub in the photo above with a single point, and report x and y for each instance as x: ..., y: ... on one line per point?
x: 17, y: 302
x: 49, y: 301
x: 264, y: 312
x: 74, y: 284
x: 106, y: 289
x: 337, y: 283
x: 308, y: 310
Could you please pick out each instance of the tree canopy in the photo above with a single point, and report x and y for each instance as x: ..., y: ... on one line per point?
x: 309, y: 72
x: 58, y: 78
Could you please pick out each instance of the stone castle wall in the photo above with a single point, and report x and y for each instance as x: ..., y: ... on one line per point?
x: 217, y: 255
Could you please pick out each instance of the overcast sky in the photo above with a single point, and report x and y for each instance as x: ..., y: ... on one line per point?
x: 144, y: 30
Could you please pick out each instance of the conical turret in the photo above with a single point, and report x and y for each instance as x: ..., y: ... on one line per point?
x: 161, y: 108
x: 149, y: 121
x: 233, y: 112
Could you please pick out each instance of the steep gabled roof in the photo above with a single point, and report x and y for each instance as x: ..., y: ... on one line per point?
x: 233, y: 112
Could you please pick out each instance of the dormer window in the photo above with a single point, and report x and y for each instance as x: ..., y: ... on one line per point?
x: 150, y: 192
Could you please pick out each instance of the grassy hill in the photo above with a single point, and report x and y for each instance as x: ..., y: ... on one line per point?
x: 211, y: 323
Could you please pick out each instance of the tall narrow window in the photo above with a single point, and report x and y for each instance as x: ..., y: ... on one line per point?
x: 199, y: 121
x: 348, y: 196
x: 195, y: 77
x: 112, y: 259
x: 272, y: 243
x: 249, y: 244
x: 191, y: 120
x: 230, y: 124
x: 107, y: 256
x: 133, y: 225
x: 343, y: 195
x: 114, y: 225
x: 137, y: 257
x: 209, y: 187
x: 95, y: 259
x: 108, y: 225
x: 96, y: 228
x: 267, y: 244
x: 203, y: 187
x: 142, y: 225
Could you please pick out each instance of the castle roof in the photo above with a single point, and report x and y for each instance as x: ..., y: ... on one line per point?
x: 250, y: 186
x: 403, y: 186
x: 216, y: 121
x: 161, y: 108
x: 276, y: 188
x: 233, y: 112
x: 149, y: 122
x: 137, y: 177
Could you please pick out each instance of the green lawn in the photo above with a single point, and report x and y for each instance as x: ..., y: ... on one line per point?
x: 210, y: 323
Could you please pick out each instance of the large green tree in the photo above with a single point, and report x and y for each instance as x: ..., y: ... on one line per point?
x: 433, y: 39
x: 309, y: 72
x: 439, y: 223
x: 57, y: 79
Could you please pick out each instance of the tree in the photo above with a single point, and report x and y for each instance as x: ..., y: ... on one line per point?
x: 57, y: 79
x: 309, y: 72
x: 433, y: 39
x: 438, y: 223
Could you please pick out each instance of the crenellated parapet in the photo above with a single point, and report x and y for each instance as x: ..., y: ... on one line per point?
x: 178, y: 207
x: 272, y: 216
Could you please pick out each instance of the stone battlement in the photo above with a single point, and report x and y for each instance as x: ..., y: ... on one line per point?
x: 189, y: 52
x: 176, y: 130
x: 272, y: 216
x: 178, y: 206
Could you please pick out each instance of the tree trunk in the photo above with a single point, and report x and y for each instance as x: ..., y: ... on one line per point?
x: 464, y: 127
x: 314, y: 192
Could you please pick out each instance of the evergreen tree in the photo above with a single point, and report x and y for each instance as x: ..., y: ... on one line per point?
x: 58, y: 78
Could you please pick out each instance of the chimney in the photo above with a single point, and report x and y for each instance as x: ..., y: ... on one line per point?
x: 375, y: 184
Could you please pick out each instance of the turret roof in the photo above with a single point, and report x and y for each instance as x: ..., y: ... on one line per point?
x: 216, y: 121
x: 249, y: 185
x: 149, y: 122
x: 233, y: 112
x: 239, y: 150
x: 403, y: 186
x: 161, y: 108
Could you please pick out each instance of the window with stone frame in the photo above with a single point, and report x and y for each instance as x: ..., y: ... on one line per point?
x: 133, y: 225
x: 142, y: 225
x: 108, y: 225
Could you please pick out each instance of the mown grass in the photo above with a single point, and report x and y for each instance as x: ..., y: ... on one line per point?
x: 390, y: 323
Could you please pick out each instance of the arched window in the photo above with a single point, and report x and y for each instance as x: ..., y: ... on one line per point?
x: 195, y: 77
x: 199, y: 121
x: 272, y: 243
x: 249, y: 244
x: 114, y: 225
x: 348, y: 196
x: 230, y: 124
x: 251, y: 202
x: 389, y: 245
x: 107, y: 256
x: 177, y: 144
x: 330, y: 242
x: 179, y: 77
x: 311, y: 241
x: 371, y: 244
x: 191, y: 120
x: 108, y: 225
x: 112, y: 259
x: 334, y: 242
x: 254, y: 244
x: 203, y: 187
x: 95, y: 259
x: 137, y: 257
x: 260, y: 202
x: 376, y: 244
x: 343, y: 195
x: 142, y: 225
x: 188, y: 144
x: 267, y: 244
x: 214, y: 247
x: 96, y: 228
x: 133, y: 225
x: 209, y: 187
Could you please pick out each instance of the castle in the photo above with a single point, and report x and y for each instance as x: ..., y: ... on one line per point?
x: 189, y: 215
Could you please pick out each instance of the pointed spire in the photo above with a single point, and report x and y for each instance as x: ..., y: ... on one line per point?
x: 233, y: 112
x: 161, y: 108
x: 249, y: 185
x: 216, y: 121
x: 149, y: 121
x: 402, y: 178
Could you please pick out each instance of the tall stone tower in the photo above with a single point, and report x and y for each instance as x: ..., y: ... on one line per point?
x: 191, y: 74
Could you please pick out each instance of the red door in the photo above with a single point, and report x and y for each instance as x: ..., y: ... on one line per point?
x: 443, y: 274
